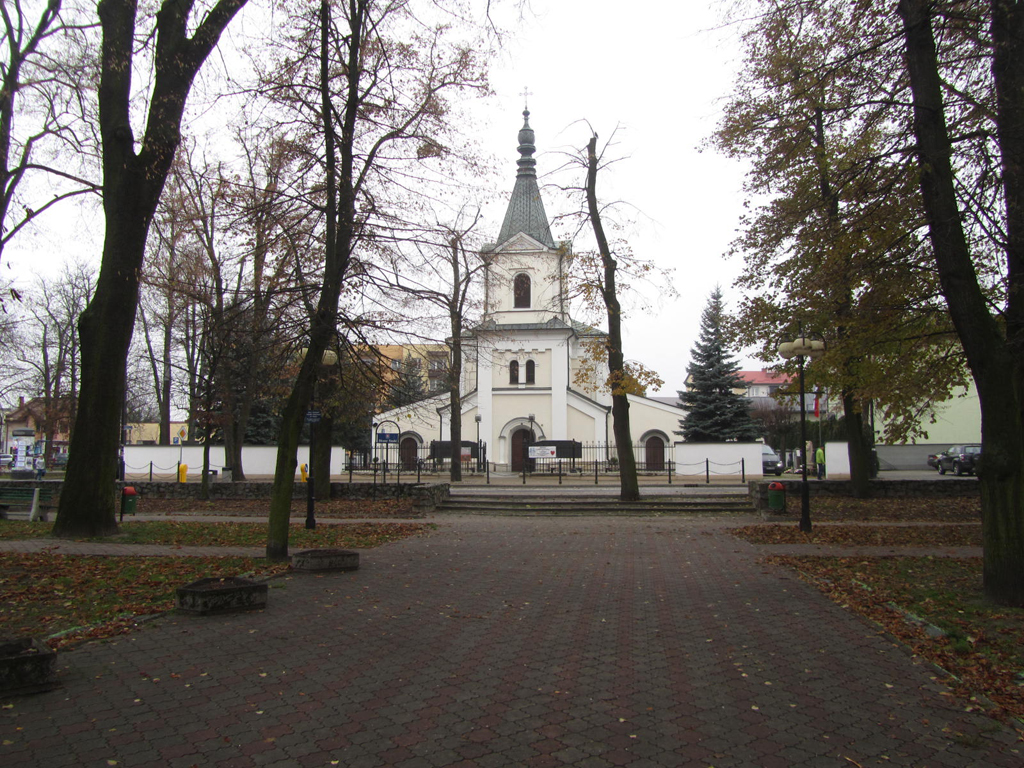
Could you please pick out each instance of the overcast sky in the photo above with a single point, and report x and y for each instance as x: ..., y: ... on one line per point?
x: 658, y: 72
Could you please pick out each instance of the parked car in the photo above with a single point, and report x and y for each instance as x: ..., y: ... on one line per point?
x: 6, y: 460
x: 770, y: 461
x: 960, y: 459
x: 933, y: 460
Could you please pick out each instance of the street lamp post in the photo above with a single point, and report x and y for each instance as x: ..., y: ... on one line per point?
x: 801, y: 348
x: 526, y: 447
x: 313, y: 418
x: 478, y: 418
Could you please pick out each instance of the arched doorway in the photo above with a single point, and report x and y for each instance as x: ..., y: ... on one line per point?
x: 654, y: 454
x: 408, y: 450
x: 521, y: 438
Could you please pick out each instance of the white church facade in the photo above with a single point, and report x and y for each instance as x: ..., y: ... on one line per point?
x: 526, y: 378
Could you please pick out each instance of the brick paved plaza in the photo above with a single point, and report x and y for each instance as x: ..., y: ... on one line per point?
x: 508, y: 642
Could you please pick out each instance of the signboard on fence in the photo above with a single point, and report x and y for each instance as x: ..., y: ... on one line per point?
x: 387, y: 437
x: 542, y: 451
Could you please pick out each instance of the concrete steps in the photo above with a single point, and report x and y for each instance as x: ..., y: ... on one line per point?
x: 565, y: 505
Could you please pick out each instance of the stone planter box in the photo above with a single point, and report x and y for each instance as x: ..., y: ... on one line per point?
x: 27, y: 665
x: 221, y: 595
x: 325, y: 560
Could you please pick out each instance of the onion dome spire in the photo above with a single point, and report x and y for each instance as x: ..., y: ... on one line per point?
x: 525, y: 211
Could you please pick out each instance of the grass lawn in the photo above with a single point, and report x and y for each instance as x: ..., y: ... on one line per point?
x: 70, y: 598
x: 935, y: 605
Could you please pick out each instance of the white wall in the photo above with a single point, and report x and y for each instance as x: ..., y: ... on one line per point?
x: 257, y: 460
x: 725, y: 459
x: 837, y: 462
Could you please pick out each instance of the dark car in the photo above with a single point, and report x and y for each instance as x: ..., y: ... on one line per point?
x: 960, y: 459
x: 770, y: 462
x: 933, y: 460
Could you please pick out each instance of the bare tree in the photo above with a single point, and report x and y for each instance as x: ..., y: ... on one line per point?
x: 376, y: 124
x: 133, y: 180
x: 629, y: 484
x: 52, y: 350
x: 444, y: 276
x: 45, y: 83
x: 992, y: 336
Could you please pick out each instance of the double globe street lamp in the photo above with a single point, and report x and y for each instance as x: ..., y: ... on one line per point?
x: 802, y: 348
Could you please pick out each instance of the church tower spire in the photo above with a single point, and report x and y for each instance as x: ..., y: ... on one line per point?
x: 525, y: 211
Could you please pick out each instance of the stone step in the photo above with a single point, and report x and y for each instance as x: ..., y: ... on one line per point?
x: 596, y: 505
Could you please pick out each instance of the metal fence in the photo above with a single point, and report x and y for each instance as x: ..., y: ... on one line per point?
x: 569, y: 459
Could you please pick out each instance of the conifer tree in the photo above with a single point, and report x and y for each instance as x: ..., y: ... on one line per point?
x: 714, y: 412
x: 407, y: 387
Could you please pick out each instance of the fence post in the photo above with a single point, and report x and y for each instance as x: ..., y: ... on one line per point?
x: 743, y: 470
x: 151, y: 471
x: 707, y: 471
x: 670, y: 471
x: 595, y: 469
x: 350, y: 463
x: 559, y: 471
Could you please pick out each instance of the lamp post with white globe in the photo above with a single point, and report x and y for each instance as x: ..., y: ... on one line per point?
x: 802, y: 348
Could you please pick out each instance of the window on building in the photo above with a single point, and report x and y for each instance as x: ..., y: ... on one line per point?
x: 521, y: 291
x: 438, y: 362
x: 530, y: 375
x: 513, y: 372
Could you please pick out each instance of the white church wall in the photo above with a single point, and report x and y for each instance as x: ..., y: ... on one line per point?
x: 647, y: 416
x: 584, y: 427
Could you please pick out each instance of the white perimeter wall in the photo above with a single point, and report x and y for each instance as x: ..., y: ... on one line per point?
x: 256, y: 459
x: 724, y: 458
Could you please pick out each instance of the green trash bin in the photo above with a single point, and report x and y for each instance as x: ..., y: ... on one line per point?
x: 129, y: 500
x: 776, y: 497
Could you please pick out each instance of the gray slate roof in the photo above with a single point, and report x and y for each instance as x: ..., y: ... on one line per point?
x: 525, y: 211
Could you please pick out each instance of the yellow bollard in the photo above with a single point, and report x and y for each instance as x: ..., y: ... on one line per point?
x: 304, y: 471
x: 182, y: 473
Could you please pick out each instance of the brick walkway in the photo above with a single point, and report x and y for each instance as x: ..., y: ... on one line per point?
x: 513, y: 642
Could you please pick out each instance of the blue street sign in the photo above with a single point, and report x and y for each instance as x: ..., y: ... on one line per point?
x: 387, y: 437
x: 312, y: 417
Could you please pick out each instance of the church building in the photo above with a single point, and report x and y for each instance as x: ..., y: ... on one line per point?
x: 527, y: 376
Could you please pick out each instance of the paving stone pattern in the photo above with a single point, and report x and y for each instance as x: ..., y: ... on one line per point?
x: 513, y: 642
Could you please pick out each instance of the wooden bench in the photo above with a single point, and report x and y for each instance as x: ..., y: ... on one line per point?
x: 38, y: 500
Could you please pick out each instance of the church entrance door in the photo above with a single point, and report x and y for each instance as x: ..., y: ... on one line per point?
x: 654, y: 454
x: 521, y: 438
x: 407, y: 451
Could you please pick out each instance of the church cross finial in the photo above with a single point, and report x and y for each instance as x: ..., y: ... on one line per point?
x: 526, y: 94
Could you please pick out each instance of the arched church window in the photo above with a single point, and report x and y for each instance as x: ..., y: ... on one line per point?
x: 530, y: 372
x: 521, y: 291
x: 513, y: 372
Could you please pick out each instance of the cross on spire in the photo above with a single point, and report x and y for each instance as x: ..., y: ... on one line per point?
x: 526, y: 94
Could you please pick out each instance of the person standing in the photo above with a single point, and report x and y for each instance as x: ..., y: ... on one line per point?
x: 819, y: 460
x: 40, y: 467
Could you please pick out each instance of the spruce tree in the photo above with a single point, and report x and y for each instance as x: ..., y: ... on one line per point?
x: 715, y: 413
x: 407, y: 386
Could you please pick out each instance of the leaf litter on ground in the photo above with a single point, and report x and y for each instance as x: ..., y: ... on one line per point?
x: 934, y: 605
x: 70, y: 598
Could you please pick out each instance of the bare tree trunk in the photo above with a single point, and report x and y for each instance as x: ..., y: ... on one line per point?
x: 339, y: 232
x: 132, y: 184
x: 859, y: 449
x: 628, y: 481
x: 996, y: 360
